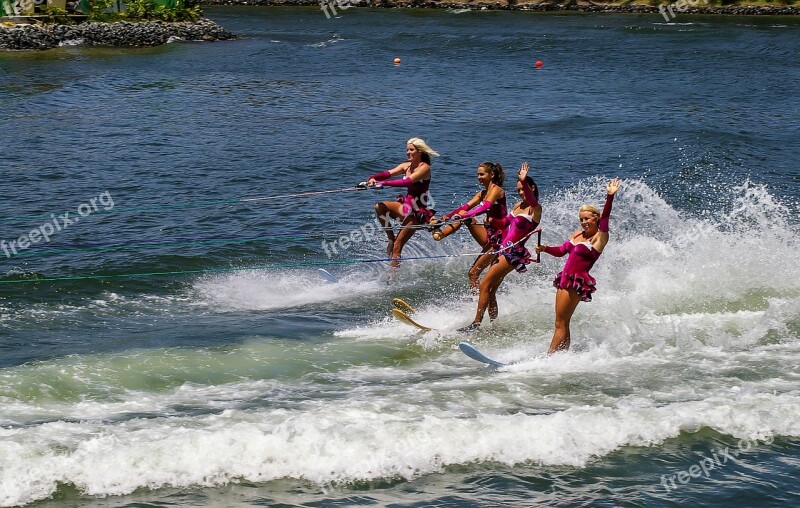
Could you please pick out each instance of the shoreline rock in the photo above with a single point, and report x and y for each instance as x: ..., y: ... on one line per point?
x: 116, y: 34
x: 530, y: 5
x: 155, y: 33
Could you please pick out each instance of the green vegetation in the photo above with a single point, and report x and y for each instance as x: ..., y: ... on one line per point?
x: 54, y: 15
x: 165, y: 10
x: 135, y: 10
x: 96, y: 9
x: 142, y: 9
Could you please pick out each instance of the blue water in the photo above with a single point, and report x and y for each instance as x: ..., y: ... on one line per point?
x: 228, y: 373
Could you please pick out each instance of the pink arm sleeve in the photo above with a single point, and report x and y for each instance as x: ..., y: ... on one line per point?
x: 462, y: 208
x: 400, y: 182
x: 477, y: 210
x: 603, y: 224
x: 383, y: 175
x: 529, y: 197
x: 558, y: 251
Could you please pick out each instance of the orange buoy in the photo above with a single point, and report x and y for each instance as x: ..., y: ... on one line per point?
x: 397, y: 60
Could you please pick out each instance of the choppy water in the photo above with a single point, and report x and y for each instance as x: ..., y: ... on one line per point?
x: 254, y: 382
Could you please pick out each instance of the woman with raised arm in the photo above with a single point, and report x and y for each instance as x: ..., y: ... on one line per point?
x: 522, y: 222
x: 491, y: 201
x: 573, y: 283
x: 411, y: 208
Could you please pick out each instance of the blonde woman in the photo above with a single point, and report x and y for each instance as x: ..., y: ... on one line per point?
x: 412, y: 208
x: 573, y: 283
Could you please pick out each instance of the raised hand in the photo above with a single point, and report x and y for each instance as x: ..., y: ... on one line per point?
x: 523, y: 171
x: 613, y: 186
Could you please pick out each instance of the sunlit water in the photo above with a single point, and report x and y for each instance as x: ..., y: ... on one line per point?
x: 252, y: 381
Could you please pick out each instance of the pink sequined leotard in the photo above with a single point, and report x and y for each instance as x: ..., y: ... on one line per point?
x: 415, y: 201
x: 520, y: 227
x: 582, y: 257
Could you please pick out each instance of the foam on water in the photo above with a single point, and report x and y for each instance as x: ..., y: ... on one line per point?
x: 363, y: 437
x: 263, y: 290
x: 694, y: 325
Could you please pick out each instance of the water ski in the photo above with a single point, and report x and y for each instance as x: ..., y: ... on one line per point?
x: 472, y: 352
x: 403, y: 317
x: 404, y: 306
x: 328, y: 276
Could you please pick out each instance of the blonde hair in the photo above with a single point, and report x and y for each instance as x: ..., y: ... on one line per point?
x: 422, y: 146
x: 590, y: 208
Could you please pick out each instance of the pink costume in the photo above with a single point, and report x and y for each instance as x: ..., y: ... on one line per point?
x: 582, y: 257
x: 415, y: 202
x: 517, y: 233
x: 497, y: 218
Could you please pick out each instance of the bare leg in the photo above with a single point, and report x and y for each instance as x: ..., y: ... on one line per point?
x: 488, y: 289
x: 494, y: 310
x: 478, y: 232
x: 566, y: 302
x: 403, y: 236
x: 387, y: 210
x: 446, y: 230
x: 480, y: 264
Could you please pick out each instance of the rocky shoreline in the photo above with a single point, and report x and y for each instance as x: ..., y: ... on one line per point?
x: 532, y: 5
x: 154, y: 33
x: 123, y: 33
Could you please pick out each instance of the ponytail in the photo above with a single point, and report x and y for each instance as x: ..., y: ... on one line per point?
x: 498, y: 173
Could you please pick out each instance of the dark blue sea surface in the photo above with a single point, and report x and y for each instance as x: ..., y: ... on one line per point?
x: 182, y: 349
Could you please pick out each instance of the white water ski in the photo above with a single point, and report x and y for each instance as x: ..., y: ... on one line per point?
x: 472, y: 352
x: 328, y: 276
